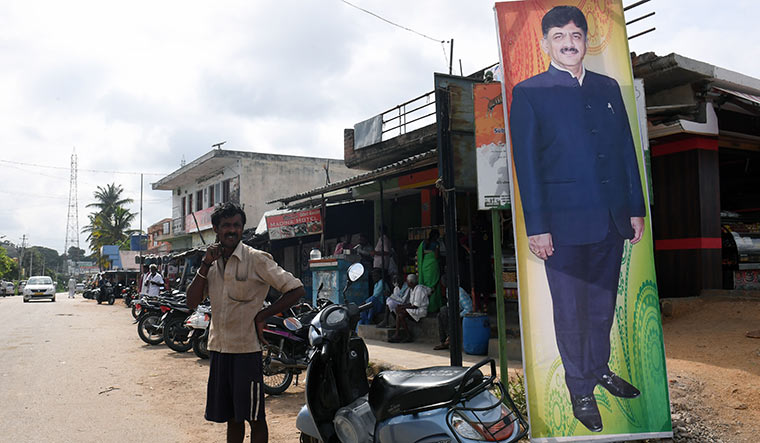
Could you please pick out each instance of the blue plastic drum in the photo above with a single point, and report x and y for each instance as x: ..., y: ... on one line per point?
x: 475, y: 333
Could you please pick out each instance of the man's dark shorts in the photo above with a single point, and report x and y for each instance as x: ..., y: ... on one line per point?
x: 235, y: 388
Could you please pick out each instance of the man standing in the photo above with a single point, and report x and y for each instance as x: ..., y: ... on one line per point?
x: 581, y: 195
x: 383, y: 254
x: 236, y: 278
x: 72, y: 287
x: 153, y: 281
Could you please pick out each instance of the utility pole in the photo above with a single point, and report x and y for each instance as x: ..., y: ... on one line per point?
x: 31, y: 262
x: 141, y: 232
x: 21, y: 258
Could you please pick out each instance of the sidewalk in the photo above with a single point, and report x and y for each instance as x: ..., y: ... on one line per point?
x: 420, y: 355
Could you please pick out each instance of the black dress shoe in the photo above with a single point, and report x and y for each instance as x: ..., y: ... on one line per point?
x: 586, y: 411
x: 617, y: 386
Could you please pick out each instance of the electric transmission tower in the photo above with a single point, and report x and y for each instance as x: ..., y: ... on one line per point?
x: 72, y: 219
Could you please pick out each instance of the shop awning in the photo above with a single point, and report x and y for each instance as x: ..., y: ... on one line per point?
x: 400, y: 167
x: 754, y: 99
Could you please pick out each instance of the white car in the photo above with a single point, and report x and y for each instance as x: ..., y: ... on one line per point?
x: 39, y: 287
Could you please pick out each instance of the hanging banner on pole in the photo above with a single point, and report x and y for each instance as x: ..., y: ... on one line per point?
x: 594, y: 368
x: 491, y: 147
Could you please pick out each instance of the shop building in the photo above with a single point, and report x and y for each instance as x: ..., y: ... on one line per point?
x: 398, y: 150
x: 704, y: 136
x: 157, y: 234
x: 704, y: 176
x: 248, y: 178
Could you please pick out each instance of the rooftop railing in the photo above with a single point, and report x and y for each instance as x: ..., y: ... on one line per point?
x: 408, y: 116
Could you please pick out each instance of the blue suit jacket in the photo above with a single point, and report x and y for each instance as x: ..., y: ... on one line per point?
x: 574, y: 156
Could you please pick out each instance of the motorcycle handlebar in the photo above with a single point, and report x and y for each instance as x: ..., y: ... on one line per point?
x: 365, y: 306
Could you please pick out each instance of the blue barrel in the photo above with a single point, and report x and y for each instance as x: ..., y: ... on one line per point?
x: 475, y: 333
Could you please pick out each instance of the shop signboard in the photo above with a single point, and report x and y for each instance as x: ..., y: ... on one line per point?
x: 490, y: 147
x: 203, y: 217
x: 589, y: 308
x: 294, y: 224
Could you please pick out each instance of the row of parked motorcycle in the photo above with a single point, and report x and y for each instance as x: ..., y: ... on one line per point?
x: 167, y: 319
x: 429, y: 404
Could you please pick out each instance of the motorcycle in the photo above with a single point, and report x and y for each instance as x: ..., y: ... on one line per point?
x: 176, y: 334
x: 286, y: 355
x: 432, y: 404
x: 148, y: 320
x: 105, y: 294
x: 151, y: 316
x: 199, y: 323
x: 130, y: 295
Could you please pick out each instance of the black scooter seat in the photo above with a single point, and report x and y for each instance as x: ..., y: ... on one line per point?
x: 400, y: 392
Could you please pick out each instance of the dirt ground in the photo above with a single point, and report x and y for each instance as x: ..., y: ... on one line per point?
x: 77, y: 371
x: 714, y: 371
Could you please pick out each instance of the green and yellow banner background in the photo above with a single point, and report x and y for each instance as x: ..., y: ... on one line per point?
x: 637, y: 347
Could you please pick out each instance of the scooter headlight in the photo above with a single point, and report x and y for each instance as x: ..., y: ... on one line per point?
x: 335, y: 318
x: 354, y: 423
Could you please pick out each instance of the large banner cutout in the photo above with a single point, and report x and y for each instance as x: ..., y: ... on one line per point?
x: 589, y: 310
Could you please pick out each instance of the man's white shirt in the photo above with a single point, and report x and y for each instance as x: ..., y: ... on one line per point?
x: 157, y: 283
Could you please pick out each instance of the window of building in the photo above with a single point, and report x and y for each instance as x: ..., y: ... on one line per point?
x: 226, y: 191
x: 166, y: 228
x: 184, y: 207
x: 189, y: 204
x: 199, y: 200
x: 210, y: 196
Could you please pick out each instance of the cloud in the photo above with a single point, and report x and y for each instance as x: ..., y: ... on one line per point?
x: 137, y: 86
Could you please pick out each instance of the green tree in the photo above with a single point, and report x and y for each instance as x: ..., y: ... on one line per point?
x: 8, y: 266
x: 110, y: 222
x: 76, y: 254
x: 43, y: 261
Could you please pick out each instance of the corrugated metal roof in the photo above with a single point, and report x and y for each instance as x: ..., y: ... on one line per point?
x: 397, y: 168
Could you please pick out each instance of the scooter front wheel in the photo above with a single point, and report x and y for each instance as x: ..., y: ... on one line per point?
x: 275, y: 382
x: 200, y: 346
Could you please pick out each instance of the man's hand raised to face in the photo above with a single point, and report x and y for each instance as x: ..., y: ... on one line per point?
x: 541, y: 245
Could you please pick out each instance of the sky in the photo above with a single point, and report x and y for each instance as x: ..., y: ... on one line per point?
x: 138, y: 87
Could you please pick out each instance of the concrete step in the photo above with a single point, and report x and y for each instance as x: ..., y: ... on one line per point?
x: 426, y: 332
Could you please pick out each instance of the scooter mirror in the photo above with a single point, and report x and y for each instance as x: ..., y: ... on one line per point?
x: 355, y: 271
x: 292, y: 323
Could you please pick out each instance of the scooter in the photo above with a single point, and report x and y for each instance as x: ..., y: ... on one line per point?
x: 199, y: 323
x: 436, y: 404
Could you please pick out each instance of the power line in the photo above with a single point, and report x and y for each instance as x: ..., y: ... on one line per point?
x: 393, y: 23
x: 37, y: 165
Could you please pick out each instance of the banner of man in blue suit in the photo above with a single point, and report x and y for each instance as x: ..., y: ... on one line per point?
x: 592, y: 338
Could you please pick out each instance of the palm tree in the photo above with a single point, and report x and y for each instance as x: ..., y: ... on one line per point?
x: 110, y: 224
x: 109, y: 198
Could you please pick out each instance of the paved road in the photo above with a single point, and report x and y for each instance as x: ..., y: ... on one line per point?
x: 76, y: 371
